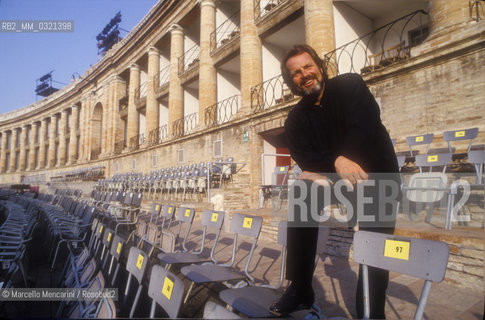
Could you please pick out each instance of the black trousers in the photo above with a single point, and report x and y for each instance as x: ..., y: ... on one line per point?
x: 302, y: 236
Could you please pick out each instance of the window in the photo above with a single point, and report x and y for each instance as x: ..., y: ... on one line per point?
x: 133, y: 164
x: 181, y: 156
x: 154, y: 160
x: 217, y: 149
x: 417, y: 36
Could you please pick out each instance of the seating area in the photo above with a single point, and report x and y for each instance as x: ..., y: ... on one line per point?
x: 84, y: 174
x: 169, y: 261
x: 182, y: 183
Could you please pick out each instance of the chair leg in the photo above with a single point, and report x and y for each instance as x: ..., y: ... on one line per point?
x: 189, y: 292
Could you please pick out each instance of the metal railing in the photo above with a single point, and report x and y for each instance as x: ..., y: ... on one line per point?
x: 380, y: 48
x: 119, y: 146
x: 95, y: 153
x: 137, y: 141
x: 477, y: 11
x: 185, y: 125
x: 223, y: 111
x: 190, y: 59
x: 163, y: 77
x: 158, y: 135
x: 270, y: 93
x: 263, y: 7
x: 141, y: 91
x: 227, y: 31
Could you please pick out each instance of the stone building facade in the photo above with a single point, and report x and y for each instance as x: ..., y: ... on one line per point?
x: 199, y: 81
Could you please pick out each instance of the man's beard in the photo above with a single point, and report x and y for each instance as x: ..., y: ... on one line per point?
x: 314, y: 92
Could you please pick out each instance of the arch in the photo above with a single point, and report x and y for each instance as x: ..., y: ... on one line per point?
x: 96, y: 131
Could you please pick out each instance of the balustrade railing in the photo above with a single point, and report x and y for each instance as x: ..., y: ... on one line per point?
x: 141, y: 91
x: 223, y: 111
x: 380, y: 48
x: 137, y: 141
x: 477, y: 11
x: 119, y: 146
x: 227, y: 31
x: 263, y: 7
x: 158, y: 135
x: 270, y: 93
x: 95, y: 153
x: 189, y: 59
x: 163, y: 77
x: 185, y: 125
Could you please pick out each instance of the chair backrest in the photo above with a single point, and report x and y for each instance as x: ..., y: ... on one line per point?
x: 246, y: 225
x: 128, y: 198
x: 459, y: 135
x: 422, y: 139
x: 426, y: 187
x: 137, y: 199
x: 117, y: 247
x: 166, y: 290
x: 213, y: 219
x: 433, y: 160
x: 137, y: 263
x: 280, y: 175
x: 420, y: 258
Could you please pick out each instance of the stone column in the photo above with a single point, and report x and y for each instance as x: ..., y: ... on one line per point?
x: 207, y: 73
x: 51, y: 158
x: 72, y: 158
x: 62, y: 138
x: 42, y: 143
x: 133, y: 118
x: 446, y: 14
x: 32, y: 154
x: 13, y: 148
x: 3, y: 152
x: 251, y: 55
x: 23, y: 151
x: 176, y: 96
x: 153, y: 110
x: 320, y: 28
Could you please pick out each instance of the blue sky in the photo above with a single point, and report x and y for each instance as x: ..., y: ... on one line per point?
x: 25, y: 57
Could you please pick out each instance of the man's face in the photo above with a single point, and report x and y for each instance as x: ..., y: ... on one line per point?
x: 305, y: 74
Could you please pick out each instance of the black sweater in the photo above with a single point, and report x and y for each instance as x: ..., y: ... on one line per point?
x: 346, y: 123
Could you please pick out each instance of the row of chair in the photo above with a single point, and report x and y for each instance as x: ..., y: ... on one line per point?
x: 174, y: 183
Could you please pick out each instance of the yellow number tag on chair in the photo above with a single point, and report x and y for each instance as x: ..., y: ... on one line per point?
x: 396, y: 249
x: 167, y: 288
x: 433, y: 158
x: 101, y: 229
x: 139, y: 262
x: 109, y: 237
x: 118, y: 249
x: 282, y: 169
x: 214, y: 217
x: 156, y: 207
x: 169, y: 209
x: 247, y: 223
x: 187, y: 212
x: 419, y: 139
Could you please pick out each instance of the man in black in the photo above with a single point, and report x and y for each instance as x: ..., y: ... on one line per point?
x: 335, y: 128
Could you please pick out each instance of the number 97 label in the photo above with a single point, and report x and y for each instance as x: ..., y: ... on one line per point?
x: 396, y: 249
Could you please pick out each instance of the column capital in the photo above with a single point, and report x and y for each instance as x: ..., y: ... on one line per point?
x: 153, y: 50
x: 207, y: 3
x: 175, y: 28
x: 134, y: 66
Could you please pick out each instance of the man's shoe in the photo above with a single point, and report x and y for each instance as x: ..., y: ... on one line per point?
x: 291, y: 301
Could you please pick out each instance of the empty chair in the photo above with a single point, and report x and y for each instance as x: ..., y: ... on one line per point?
x: 244, y: 225
x: 278, y: 189
x: 460, y: 135
x: 211, y: 220
x: 422, y: 139
x: 136, y: 267
x: 166, y: 290
x: 425, y: 259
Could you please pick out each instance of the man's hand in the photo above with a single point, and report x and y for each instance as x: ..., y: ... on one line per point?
x: 349, y: 170
x: 313, y: 176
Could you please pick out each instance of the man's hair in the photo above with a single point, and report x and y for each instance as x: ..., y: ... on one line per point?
x: 297, y: 50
